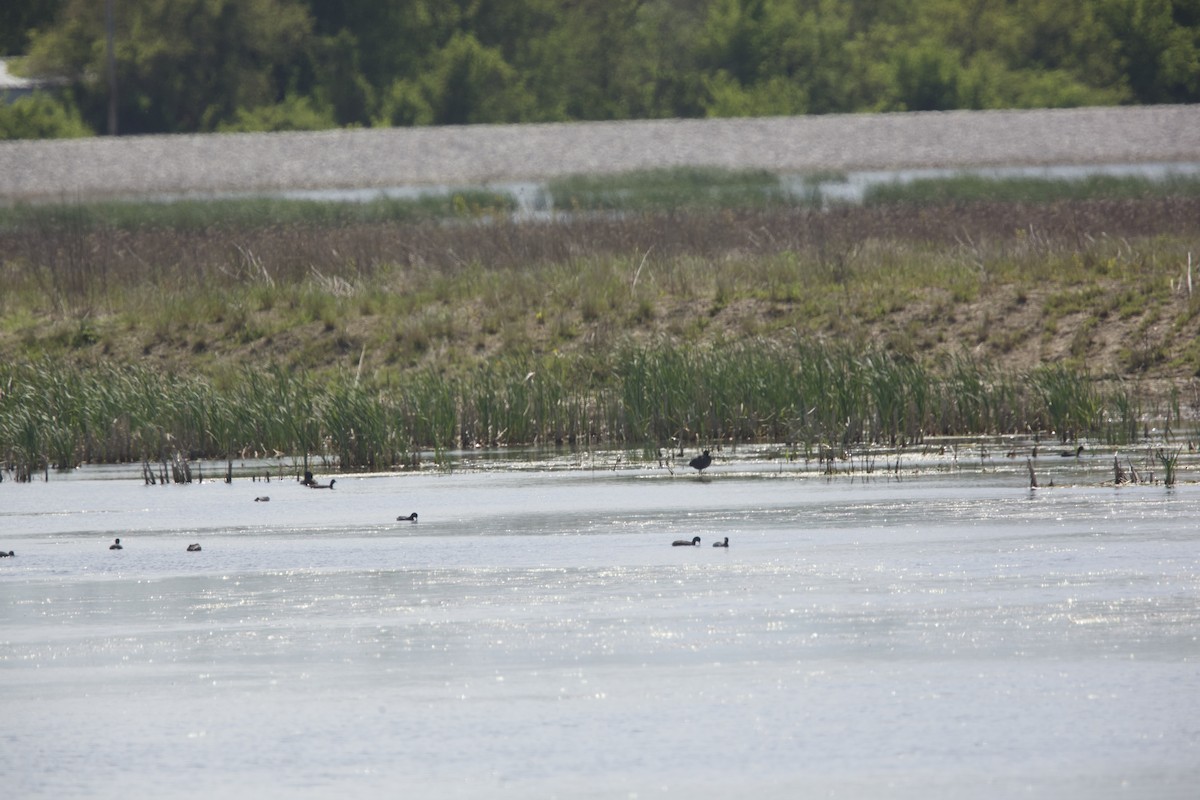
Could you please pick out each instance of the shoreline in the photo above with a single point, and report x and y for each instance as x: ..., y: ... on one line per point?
x: 198, y: 164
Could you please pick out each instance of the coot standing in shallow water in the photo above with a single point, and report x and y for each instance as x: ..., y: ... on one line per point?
x: 693, y: 542
x: 116, y: 545
x: 722, y: 544
x: 700, y: 462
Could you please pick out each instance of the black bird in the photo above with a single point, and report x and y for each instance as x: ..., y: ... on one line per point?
x: 322, y: 485
x: 1076, y: 454
x: 410, y: 518
x: 263, y: 499
x: 722, y: 544
x: 193, y: 548
x: 116, y: 545
x: 9, y: 554
x: 700, y: 462
x: 693, y: 542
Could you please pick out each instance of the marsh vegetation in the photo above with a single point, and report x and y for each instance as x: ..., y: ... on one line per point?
x: 370, y: 333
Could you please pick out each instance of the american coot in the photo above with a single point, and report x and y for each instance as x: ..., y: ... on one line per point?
x: 322, y: 485
x: 700, y: 462
x: 116, y: 545
x: 193, y: 548
x: 722, y: 544
x: 263, y: 499
x: 9, y: 554
x: 410, y: 518
x: 693, y: 542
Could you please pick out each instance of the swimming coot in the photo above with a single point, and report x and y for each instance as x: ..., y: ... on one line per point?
x: 693, y: 542
x: 193, y: 548
x: 116, y: 545
x: 722, y: 544
x: 410, y: 518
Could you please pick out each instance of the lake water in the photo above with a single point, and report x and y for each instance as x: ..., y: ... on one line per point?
x: 941, y: 632
x: 535, y: 200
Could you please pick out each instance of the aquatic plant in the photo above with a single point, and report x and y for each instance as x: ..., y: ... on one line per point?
x: 1170, y: 462
x: 662, y: 394
x: 673, y: 188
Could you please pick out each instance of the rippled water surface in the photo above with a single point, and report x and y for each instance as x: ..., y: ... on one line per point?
x: 946, y: 633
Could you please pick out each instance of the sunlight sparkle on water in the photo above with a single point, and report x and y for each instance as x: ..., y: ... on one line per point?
x: 942, y: 634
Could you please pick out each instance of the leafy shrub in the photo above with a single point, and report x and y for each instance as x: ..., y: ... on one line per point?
x: 41, y: 115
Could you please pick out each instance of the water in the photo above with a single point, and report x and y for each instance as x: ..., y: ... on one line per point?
x: 534, y: 201
x: 947, y: 633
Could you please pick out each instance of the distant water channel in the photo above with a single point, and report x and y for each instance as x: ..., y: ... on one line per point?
x: 938, y: 631
x: 535, y: 200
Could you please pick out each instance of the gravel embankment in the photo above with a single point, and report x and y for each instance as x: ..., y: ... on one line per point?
x: 236, y: 163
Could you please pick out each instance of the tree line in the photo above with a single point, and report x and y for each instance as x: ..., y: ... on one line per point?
x: 248, y: 65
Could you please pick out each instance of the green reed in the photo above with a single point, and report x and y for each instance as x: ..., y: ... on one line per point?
x: 665, y: 394
x: 1170, y: 462
x: 673, y: 188
x: 255, y: 212
x: 1070, y: 402
x: 978, y: 188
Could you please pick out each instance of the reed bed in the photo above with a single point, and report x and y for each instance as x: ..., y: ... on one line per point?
x: 681, y: 188
x: 979, y: 188
x: 242, y: 213
x: 54, y: 416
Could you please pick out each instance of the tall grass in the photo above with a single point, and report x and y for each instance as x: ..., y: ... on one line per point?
x: 55, y: 416
x: 256, y: 212
x: 80, y: 267
x: 672, y: 189
x: 980, y: 188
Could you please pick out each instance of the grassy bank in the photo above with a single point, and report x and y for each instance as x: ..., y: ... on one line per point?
x: 368, y: 338
x: 248, y: 213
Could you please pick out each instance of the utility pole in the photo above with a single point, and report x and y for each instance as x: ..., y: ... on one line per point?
x: 112, y: 68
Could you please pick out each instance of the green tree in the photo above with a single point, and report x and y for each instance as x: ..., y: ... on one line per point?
x: 601, y: 60
x: 404, y: 104
x: 927, y: 78
x: 196, y: 65
x: 786, y: 57
x: 41, y: 116
x: 1159, y: 46
x: 182, y: 65
x: 19, y: 18
x: 468, y: 83
x: 392, y: 38
x: 293, y: 113
x: 340, y: 83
